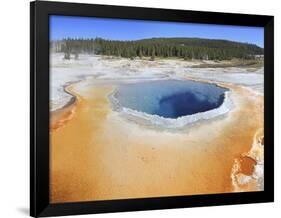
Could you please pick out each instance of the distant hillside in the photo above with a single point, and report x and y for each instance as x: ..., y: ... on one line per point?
x: 187, y: 48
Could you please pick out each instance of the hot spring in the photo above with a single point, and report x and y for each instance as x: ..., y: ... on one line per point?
x: 170, y: 99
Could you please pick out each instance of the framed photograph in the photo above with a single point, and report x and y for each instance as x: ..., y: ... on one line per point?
x: 144, y: 108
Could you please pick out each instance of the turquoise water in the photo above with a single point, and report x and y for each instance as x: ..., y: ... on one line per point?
x: 170, y: 98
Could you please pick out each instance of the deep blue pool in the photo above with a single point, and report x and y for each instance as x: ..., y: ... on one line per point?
x: 170, y: 98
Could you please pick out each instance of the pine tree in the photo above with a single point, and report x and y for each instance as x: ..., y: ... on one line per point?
x: 187, y: 48
x: 140, y: 53
x: 152, y: 54
x: 67, y: 55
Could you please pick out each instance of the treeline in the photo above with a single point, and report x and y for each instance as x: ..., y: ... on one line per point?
x: 187, y: 48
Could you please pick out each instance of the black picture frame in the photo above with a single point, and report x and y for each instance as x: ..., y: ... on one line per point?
x: 39, y: 108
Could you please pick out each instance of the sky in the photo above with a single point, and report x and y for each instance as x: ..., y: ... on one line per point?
x: 125, y: 29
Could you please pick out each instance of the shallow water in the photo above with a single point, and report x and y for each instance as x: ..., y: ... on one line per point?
x: 170, y: 98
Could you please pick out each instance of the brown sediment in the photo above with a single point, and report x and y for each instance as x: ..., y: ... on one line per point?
x: 98, y: 155
x: 244, y: 175
x: 247, y: 165
x: 61, y: 116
